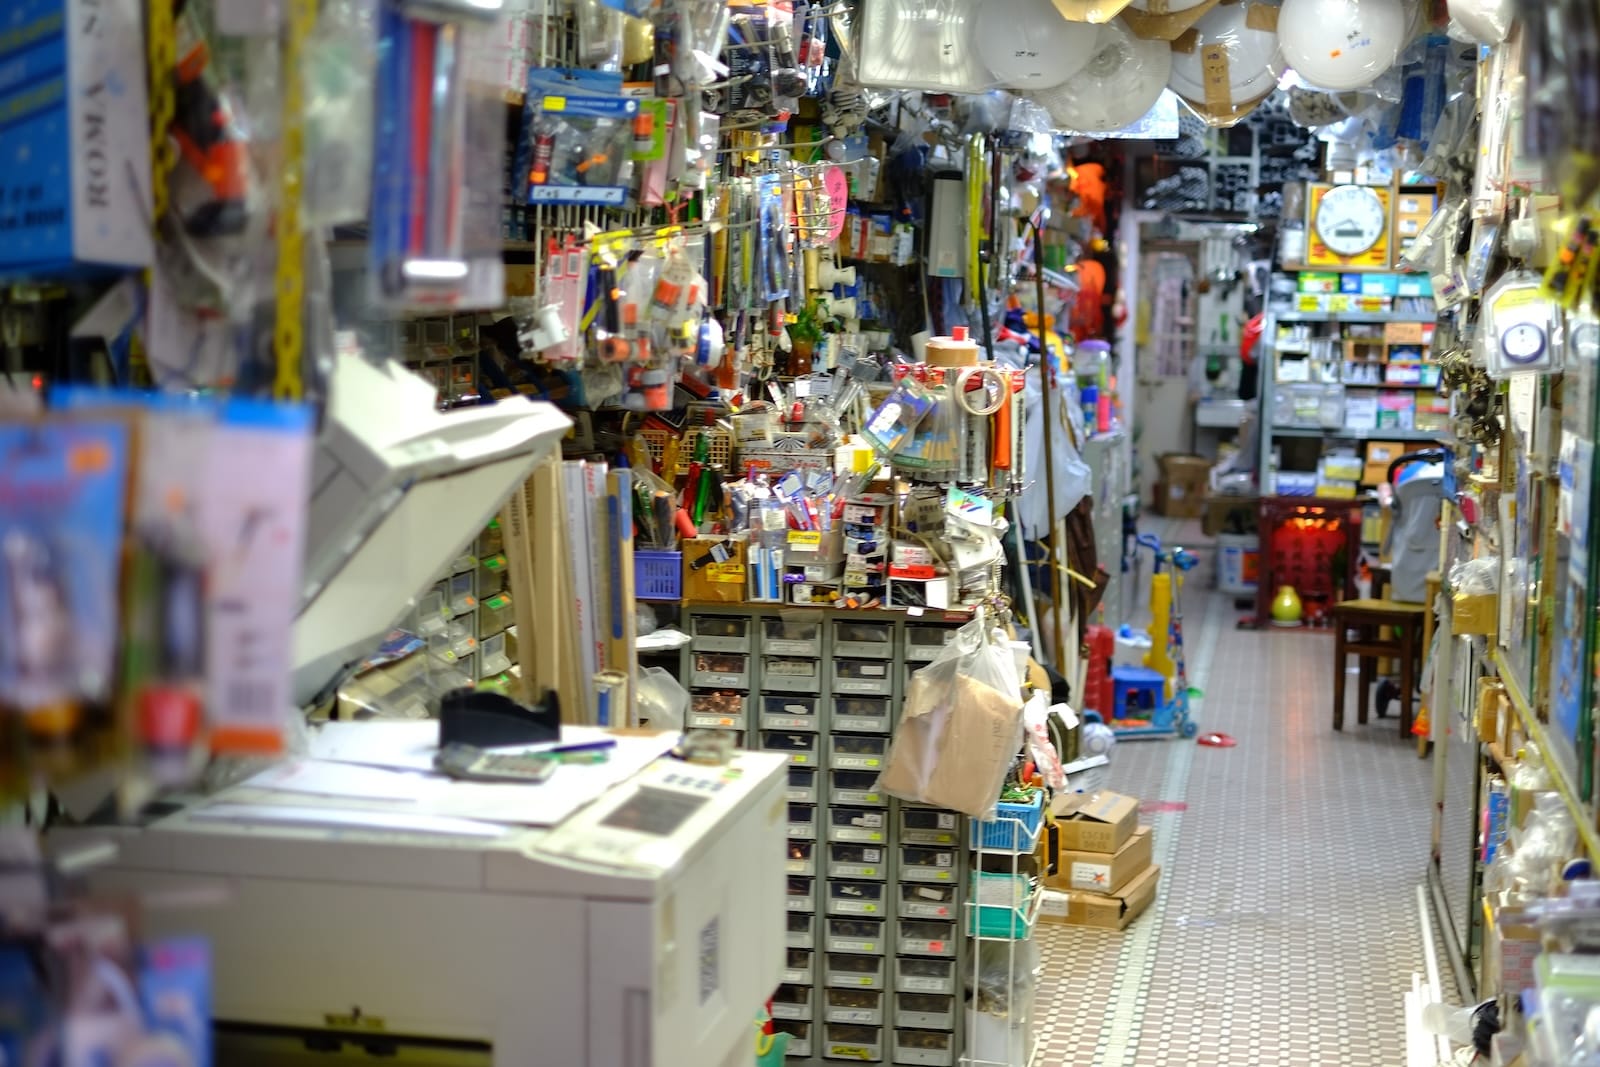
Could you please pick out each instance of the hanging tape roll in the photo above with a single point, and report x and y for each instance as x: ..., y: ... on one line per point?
x: 999, y: 393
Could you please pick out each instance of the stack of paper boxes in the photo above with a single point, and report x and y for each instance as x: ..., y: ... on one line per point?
x: 1103, y: 859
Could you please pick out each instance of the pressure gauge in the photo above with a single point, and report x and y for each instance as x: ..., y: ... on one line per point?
x: 1522, y: 343
x: 1350, y: 219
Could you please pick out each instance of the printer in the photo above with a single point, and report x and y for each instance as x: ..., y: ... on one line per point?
x: 642, y: 930
x: 645, y: 930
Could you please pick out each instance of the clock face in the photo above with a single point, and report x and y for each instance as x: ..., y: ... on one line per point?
x: 1523, y: 343
x: 1350, y: 219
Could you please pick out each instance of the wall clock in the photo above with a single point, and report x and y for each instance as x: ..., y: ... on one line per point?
x: 1349, y: 226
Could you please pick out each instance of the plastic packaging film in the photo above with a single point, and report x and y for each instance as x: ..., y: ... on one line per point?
x: 1027, y: 44
x: 1165, y: 7
x: 1228, y: 62
x: 1341, y: 44
x: 1121, y: 82
x: 912, y: 44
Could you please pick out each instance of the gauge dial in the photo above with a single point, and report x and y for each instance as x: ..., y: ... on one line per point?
x: 1523, y: 343
x: 1350, y: 219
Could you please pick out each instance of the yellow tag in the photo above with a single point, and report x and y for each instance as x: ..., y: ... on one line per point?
x: 805, y: 537
x: 727, y: 573
x: 555, y: 103
x: 1309, y: 302
x: 1516, y: 298
x: 353, y: 1020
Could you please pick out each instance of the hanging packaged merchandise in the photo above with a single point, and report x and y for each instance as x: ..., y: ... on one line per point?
x: 254, y: 511
x: 435, y: 232
x: 1516, y: 333
x: 75, y: 187
x: 960, y: 728
x: 1228, y: 63
x: 165, y: 602
x: 578, y: 138
x: 932, y: 449
x: 1120, y: 84
x: 600, y: 33
x: 1027, y: 44
x: 63, y: 484
x: 338, y: 68
x: 894, y: 420
x: 1369, y: 36
x: 919, y: 44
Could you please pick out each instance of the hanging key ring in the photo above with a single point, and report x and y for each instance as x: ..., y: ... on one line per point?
x: 992, y: 388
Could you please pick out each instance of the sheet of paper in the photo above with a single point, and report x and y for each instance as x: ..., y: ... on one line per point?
x: 326, y: 778
x: 397, y: 789
x: 353, y: 818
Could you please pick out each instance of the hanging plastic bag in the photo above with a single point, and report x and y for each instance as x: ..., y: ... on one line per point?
x: 961, y: 727
x: 1036, y: 716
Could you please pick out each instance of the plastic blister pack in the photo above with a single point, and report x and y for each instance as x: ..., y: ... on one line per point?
x: 435, y: 229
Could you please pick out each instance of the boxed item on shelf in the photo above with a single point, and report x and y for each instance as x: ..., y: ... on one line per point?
x: 714, y: 569
x: 1474, y: 613
x: 1182, y: 493
x: 1379, y: 455
x: 1098, y: 872
x: 1113, y: 911
x: 1095, y: 822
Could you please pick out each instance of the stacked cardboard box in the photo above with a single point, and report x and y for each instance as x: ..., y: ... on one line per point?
x: 1104, y: 870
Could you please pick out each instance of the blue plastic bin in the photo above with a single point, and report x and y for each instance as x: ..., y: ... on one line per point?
x: 1015, y: 827
x: 657, y: 574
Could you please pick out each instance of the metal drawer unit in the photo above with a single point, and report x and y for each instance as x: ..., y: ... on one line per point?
x: 876, y: 949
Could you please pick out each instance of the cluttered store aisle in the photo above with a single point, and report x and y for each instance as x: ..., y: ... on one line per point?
x: 1286, y: 930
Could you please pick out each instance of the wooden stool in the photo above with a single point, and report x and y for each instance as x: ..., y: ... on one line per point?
x: 1359, y: 628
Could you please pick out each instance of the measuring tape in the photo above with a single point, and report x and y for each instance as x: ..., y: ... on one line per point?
x: 288, y: 339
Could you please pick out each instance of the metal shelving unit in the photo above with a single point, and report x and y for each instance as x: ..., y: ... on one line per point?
x: 877, y: 885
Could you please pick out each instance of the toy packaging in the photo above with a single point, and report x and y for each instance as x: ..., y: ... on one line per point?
x: 63, y: 487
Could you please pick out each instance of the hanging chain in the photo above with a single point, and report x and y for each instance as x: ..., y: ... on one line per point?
x: 163, y: 61
x: 288, y: 339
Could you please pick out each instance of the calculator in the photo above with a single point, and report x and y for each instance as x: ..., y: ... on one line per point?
x: 474, y: 764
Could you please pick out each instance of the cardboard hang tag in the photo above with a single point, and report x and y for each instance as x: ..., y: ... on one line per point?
x: 1187, y: 43
x: 1261, y: 17
x: 1215, y: 78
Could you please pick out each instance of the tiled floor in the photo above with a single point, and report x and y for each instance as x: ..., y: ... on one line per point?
x: 1285, y: 931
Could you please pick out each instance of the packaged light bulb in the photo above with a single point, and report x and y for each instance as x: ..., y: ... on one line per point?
x: 1027, y: 44
x: 1120, y: 83
x: 1228, y: 62
x: 1342, y: 44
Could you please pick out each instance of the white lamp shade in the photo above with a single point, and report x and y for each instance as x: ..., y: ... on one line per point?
x: 1026, y: 44
x: 1120, y: 83
x: 1341, y: 44
x: 1252, y: 55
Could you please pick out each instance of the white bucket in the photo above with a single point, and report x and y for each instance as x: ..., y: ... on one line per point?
x: 1238, y: 562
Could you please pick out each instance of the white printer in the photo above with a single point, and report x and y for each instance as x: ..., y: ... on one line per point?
x: 646, y: 930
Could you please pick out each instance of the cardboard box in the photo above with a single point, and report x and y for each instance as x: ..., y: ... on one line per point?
x: 1113, y: 911
x: 1379, y: 455
x: 1476, y: 613
x: 1095, y: 11
x: 1184, y: 480
x: 714, y: 569
x: 75, y: 187
x: 1095, y: 822
x: 1158, y: 25
x: 1097, y: 872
